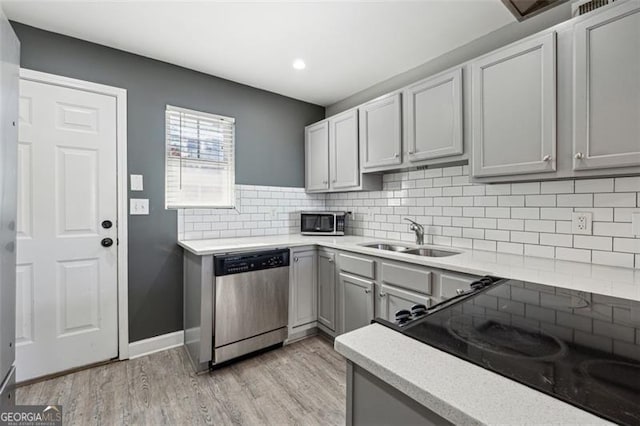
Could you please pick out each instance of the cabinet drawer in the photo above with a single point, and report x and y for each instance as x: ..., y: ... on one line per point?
x: 410, y: 277
x: 357, y: 265
x: 450, y: 283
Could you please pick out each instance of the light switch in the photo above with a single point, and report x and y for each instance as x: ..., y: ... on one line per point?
x: 139, y: 206
x: 136, y: 183
x: 635, y: 223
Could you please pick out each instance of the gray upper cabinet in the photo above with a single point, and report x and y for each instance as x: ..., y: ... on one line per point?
x: 343, y: 150
x: 317, y: 156
x: 381, y: 133
x: 514, y: 109
x: 433, y: 117
x: 357, y: 302
x: 327, y: 289
x: 606, y: 105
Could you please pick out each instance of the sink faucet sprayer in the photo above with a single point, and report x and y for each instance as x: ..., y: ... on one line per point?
x: 418, y: 229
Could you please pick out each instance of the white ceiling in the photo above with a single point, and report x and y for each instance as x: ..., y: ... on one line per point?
x: 347, y: 45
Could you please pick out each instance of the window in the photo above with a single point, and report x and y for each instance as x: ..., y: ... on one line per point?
x: 199, y: 159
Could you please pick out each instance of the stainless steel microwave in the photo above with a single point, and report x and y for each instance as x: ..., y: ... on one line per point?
x: 322, y: 223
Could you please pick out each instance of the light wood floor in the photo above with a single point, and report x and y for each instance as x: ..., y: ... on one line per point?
x: 302, y: 384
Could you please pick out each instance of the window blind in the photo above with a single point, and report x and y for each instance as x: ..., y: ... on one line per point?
x: 200, y: 165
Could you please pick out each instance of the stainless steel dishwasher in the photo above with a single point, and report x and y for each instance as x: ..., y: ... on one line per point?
x: 251, y: 302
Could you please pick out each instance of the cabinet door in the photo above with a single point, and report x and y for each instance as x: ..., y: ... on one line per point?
x: 317, y: 157
x: 303, y: 288
x: 357, y: 302
x: 343, y: 148
x: 327, y: 289
x: 514, y: 109
x: 393, y: 299
x: 607, y: 89
x: 380, y: 132
x: 433, y: 117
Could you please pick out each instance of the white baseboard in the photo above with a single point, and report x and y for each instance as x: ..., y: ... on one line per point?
x: 156, y: 344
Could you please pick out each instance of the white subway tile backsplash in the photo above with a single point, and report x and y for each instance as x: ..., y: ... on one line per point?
x: 557, y: 187
x: 627, y: 184
x: 593, y: 185
x: 575, y: 200
x: 532, y: 218
x: 595, y: 243
x: 622, y: 199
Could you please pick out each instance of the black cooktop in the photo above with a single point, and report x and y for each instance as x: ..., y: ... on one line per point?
x: 579, y: 347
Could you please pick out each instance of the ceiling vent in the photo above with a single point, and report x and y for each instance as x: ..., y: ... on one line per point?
x: 586, y: 6
x: 524, y: 9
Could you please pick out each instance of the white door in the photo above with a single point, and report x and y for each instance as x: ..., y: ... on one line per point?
x: 66, y: 279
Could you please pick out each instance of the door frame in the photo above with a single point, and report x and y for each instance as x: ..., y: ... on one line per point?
x: 120, y: 96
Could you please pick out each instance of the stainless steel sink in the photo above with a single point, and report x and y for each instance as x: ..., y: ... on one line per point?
x: 429, y: 252
x: 388, y: 247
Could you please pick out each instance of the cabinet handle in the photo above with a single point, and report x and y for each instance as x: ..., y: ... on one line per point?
x: 334, y: 181
x: 382, y: 294
x: 367, y: 290
x: 546, y: 158
x: 411, y: 153
x: 396, y: 155
x: 325, y: 181
x: 330, y: 260
x: 295, y: 259
x: 578, y: 156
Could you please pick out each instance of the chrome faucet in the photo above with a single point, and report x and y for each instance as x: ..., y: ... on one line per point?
x: 418, y: 229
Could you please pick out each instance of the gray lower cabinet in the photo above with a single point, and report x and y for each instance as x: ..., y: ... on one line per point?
x: 303, y: 289
x: 381, y: 133
x: 371, y: 402
x: 327, y: 289
x: 514, y: 109
x: 356, y: 296
x: 433, y: 117
x: 606, y: 130
x: 392, y: 299
x: 317, y: 157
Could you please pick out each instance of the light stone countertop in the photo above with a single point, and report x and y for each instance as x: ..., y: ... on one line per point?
x: 457, y: 390
x: 604, y: 280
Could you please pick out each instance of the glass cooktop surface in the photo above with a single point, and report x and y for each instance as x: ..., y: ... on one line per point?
x: 580, y: 347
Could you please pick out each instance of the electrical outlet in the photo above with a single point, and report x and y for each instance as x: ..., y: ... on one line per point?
x: 581, y: 222
x: 272, y: 214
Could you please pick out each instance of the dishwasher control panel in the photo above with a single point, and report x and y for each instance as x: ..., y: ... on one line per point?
x: 237, y: 263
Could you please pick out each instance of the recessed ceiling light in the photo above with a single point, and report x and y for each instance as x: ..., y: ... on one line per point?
x: 299, y: 64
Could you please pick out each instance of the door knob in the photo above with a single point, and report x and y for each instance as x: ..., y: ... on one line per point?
x: 106, y: 242
x: 106, y: 224
x: 578, y: 156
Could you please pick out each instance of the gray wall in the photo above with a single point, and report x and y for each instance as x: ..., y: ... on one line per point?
x: 269, y: 138
x: 478, y: 47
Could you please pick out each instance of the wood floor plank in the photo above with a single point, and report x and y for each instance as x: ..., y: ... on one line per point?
x: 299, y: 384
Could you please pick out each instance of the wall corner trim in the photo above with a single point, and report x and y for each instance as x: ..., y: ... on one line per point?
x: 156, y: 344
